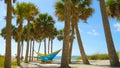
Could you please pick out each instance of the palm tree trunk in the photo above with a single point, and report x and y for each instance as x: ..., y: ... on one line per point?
x: 48, y: 45
x: 22, y: 49
x: 39, y: 49
x: 39, y: 46
x: 30, y: 50
x: 45, y: 47
x: 27, y: 48
x: 7, y: 63
x: 33, y: 51
x: 71, y: 44
x: 64, y: 60
x: 18, y: 53
x: 83, y: 55
x: 19, y: 38
x: 51, y: 45
x: 114, y: 61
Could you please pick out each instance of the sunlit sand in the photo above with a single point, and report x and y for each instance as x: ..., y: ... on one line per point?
x: 74, y: 64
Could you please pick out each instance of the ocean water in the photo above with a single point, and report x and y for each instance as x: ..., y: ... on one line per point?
x: 59, y: 57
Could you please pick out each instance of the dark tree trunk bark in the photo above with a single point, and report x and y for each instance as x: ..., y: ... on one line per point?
x: 51, y: 45
x: 39, y: 46
x: 19, y: 39
x: 30, y: 50
x: 7, y: 63
x: 45, y: 47
x: 33, y: 51
x: 39, y: 49
x: 64, y: 60
x: 114, y: 61
x: 71, y: 44
x: 83, y: 55
x: 22, y: 45
x: 27, y: 48
x: 48, y: 45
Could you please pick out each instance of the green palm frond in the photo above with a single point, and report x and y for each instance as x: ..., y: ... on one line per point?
x: 80, y: 9
x: 86, y: 13
x: 113, y: 8
x: 60, y: 9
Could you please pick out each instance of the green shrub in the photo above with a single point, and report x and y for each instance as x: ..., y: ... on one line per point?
x: 14, y: 63
x: 96, y: 57
x: 78, y: 58
x: 1, y: 61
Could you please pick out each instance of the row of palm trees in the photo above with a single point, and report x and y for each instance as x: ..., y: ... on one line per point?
x: 38, y: 28
x: 80, y: 11
x: 65, y: 11
x: 70, y: 11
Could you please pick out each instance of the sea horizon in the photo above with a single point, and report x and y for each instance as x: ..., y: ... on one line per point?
x: 59, y: 57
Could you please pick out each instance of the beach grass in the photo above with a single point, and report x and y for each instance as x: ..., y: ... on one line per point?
x: 118, y: 53
x: 1, y: 61
x: 14, y: 63
x: 97, y: 57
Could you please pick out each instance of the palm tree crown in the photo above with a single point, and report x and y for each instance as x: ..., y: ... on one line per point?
x: 113, y: 8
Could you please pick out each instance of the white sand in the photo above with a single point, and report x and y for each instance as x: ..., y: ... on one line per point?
x: 75, y: 64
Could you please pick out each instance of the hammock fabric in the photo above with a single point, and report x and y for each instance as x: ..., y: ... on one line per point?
x: 48, y: 57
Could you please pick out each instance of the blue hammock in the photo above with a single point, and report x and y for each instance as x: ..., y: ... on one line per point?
x: 47, y: 57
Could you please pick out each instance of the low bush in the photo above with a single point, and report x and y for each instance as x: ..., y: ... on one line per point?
x: 14, y: 63
x: 96, y: 57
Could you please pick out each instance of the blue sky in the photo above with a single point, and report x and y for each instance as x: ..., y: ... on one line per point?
x: 92, y: 34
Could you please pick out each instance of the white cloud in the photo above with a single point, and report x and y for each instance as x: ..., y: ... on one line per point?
x: 93, y: 32
x: 117, y: 26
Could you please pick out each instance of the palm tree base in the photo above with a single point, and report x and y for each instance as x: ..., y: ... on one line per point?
x: 87, y: 62
x: 115, y: 65
x: 65, y: 67
x: 26, y: 62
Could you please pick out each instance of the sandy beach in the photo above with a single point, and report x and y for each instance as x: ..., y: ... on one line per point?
x: 74, y: 64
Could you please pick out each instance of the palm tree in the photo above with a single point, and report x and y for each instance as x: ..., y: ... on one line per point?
x: 32, y: 34
x: 64, y: 60
x: 7, y: 63
x: 83, y: 11
x: 23, y: 38
x: 44, y: 24
x: 4, y: 32
x: 33, y: 50
x: 52, y: 36
x: 80, y: 10
x: 13, y: 30
x: 114, y: 61
x: 30, y: 54
x: 60, y: 35
x: 112, y: 7
x: 18, y: 11
x: 71, y: 42
x: 30, y: 12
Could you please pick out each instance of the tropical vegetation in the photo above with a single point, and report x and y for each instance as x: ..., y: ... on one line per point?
x: 80, y: 11
x: 114, y: 61
x: 40, y: 28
